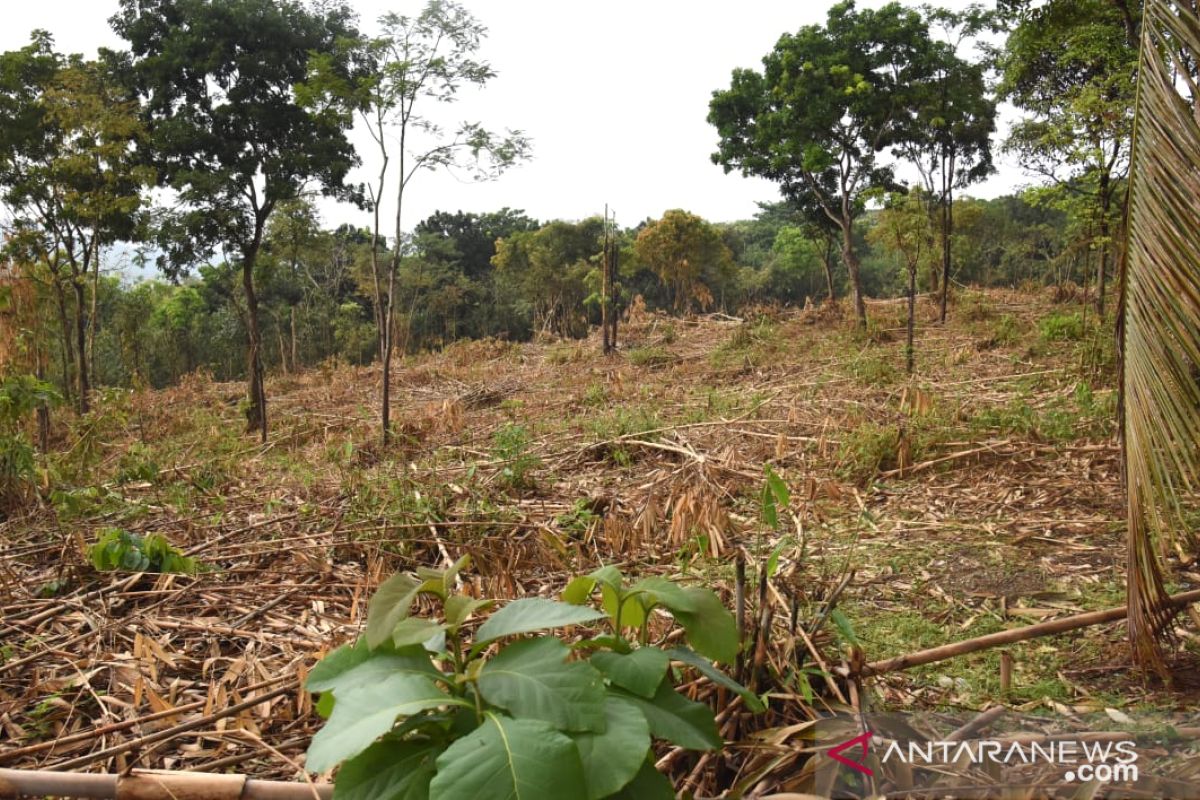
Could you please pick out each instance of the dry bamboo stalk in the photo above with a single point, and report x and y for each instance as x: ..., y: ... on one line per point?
x: 155, y: 785
x: 103, y: 730
x: 171, y: 732
x: 1016, y: 635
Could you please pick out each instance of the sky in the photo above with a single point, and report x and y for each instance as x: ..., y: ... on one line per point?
x: 614, y: 97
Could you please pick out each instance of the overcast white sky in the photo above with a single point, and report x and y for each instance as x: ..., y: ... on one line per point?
x: 614, y: 96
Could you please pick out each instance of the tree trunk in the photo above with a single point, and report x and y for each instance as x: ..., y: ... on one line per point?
x: 912, y: 310
x: 1105, y: 205
x: 947, y: 232
x: 256, y: 412
x: 68, y: 350
x: 94, y: 316
x: 295, y: 361
x: 827, y: 262
x: 81, y: 346
x: 852, y: 267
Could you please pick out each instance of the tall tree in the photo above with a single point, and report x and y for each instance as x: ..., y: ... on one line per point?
x: 1070, y: 66
x: 949, y: 134
x: 227, y: 133
x: 903, y: 227
x: 415, y: 65
x: 828, y: 100
x: 68, y: 172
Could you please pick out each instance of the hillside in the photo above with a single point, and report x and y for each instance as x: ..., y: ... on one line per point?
x: 982, y: 495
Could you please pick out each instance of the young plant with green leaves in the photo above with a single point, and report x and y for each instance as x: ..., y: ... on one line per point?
x: 427, y: 707
x: 118, y: 549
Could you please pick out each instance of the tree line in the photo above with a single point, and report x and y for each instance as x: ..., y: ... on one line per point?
x: 198, y: 151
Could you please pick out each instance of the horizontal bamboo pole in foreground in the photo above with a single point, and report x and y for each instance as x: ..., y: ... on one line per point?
x: 155, y: 785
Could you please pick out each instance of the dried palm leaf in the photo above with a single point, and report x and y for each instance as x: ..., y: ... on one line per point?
x: 1160, y: 316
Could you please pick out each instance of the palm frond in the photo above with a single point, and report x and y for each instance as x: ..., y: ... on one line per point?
x: 1160, y: 315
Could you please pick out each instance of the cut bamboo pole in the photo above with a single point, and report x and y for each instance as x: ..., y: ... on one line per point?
x: 1016, y: 635
x: 155, y: 785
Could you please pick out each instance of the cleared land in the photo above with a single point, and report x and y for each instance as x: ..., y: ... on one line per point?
x: 983, y: 494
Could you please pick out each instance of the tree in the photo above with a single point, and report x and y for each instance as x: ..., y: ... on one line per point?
x: 682, y: 249
x: 828, y: 100
x: 949, y: 134
x: 1070, y: 64
x: 547, y: 269
x: 226, y: 132
x: 903, y: 227
x: 416, y: 62
x: 69, y: 174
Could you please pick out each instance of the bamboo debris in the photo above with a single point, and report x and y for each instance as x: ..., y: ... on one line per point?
x: 946, y: 651
x: 154, y: 785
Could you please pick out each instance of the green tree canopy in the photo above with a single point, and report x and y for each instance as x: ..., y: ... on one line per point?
x: 828, y: 100
x: 226, y: 132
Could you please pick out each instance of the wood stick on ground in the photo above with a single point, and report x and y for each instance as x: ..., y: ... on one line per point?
x: 168, y: 733
x: 154, y: 785
x: 1008, y: 637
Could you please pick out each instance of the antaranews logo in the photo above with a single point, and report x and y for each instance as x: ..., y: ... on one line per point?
x: 869, y: 755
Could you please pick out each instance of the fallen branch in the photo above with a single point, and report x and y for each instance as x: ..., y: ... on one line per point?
x: 1015, y: 635
x: 155, y: 785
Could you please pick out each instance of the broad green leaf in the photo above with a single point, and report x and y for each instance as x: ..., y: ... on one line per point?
x: 778, y: 488
x: 678, y: 720
x: 459, y: 608
x: 324, y: 705
x: 612, y: 758
x: 390, y: 604
x: 661, y: 592
x: 509, y: 759
x: 387, y: 770
x: 709, y: 670
x: 648, y: 784
x: 533, y: 679
x: 767, y: 505
x: 357, y: 665
x: 609, y: 576
x: 579, y: 590
x: 532, y: 614
x: 415, y: 630
x: 639, y: 672
x: 633, y: 613
x: 711, y: 629
x: 365, y: 713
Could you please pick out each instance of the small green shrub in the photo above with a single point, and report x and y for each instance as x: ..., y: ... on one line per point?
x: 868, y: 449
x: 1062, y: 327
x: 578, y: 520
x: 137, y: 464
x: 510, y: 444
x: 595, y: 395
x: 500, y: 714
x: 874, y: 370
x: 20, y: 395
x: 1006, y: 330
x: 648, y: 356
x: 118, y: 549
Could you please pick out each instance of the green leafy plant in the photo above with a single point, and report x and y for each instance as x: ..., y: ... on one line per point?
x: 118, y: 549
x: 19, y: 396
x: 421, y: 707
x: 1062, y: 327
x: 510, y: 444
